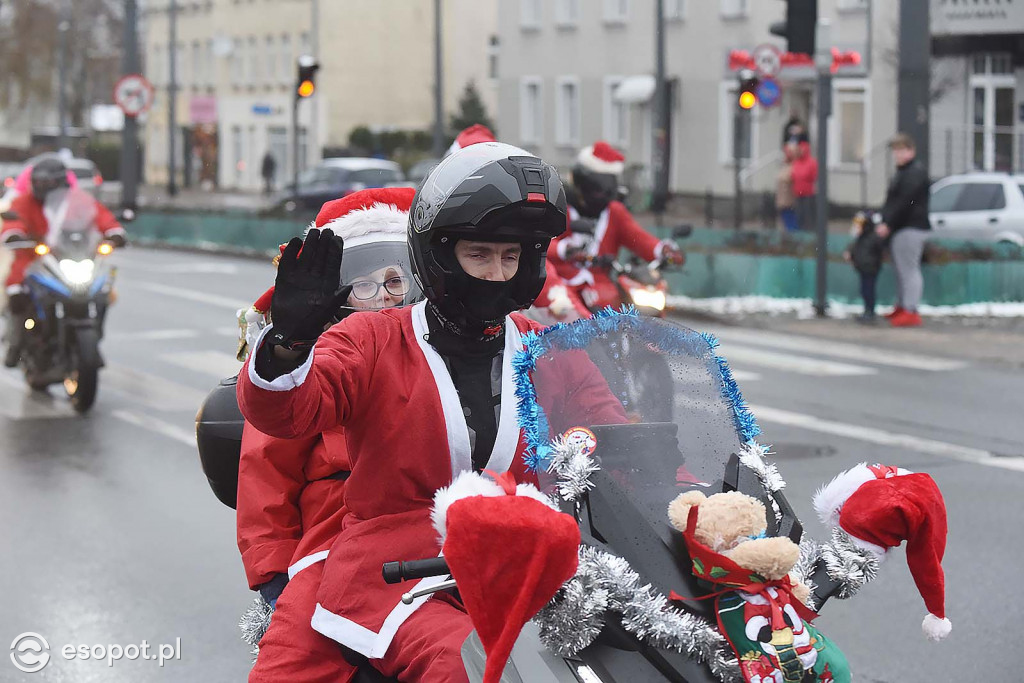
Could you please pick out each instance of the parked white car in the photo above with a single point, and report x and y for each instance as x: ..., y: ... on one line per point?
x: 987, y: 207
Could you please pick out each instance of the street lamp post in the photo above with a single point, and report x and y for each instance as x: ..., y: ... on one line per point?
x: 438, y: 146
x: 172, y: 96
x: 62, y: 68
x: 130, y: 134
x: 823, y: 62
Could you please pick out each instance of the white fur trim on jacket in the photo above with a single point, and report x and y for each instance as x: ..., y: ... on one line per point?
x: 378, y: 219
x: 285, y: 382
x: 590, y: 162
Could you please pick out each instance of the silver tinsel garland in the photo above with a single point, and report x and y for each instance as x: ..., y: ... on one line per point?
x: 810, y: 551
x: 604, y: 582
x: 573, y: 468
x: 254, y: 622
x: 849, y: 564
x: 752, y: 456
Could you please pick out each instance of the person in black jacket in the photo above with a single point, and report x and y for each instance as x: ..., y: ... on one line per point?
x: 865, y: 253
x: 905, y: 224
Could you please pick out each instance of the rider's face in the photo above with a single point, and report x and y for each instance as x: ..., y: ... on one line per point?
x: 383, y: 298
x: 491, y: 261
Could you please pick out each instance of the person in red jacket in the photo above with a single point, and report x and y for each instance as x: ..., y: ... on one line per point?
x: 424, y: 392
x: 291, y: 491
x: 600, y: 225
x: 805, y: 184
x: 39, y: 216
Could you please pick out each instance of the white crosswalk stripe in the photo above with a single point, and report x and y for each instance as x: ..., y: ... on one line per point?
x: 216, y: 364
x: 790, y: 362
x: 734, y: 337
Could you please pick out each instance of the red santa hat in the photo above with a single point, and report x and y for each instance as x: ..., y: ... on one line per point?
x: 470, y: 136
x: 509, y: 550
x: 373, y: 215
x: 601, y: 157
x: 881, y: 506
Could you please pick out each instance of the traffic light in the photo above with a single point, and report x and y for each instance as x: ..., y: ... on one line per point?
x: 748, y: 90
x: 799, y: 27
x: 305, y: 84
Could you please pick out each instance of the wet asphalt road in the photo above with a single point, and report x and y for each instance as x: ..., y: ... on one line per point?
x: 110, y: 534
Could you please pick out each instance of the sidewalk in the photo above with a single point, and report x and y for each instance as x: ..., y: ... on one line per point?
x: 191, y: 199
x: 993, y: 340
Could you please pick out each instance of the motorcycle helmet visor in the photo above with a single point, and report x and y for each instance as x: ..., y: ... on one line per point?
x: 379, y: 273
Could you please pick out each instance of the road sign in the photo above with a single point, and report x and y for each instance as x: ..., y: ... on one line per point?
x: 767, y: 60
x: 769, y: 92
x: 134, y: 94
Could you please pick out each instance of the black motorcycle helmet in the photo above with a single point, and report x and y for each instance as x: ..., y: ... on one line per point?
x: 489, y: 192
x: 46, y: 176
x: 592, y: 191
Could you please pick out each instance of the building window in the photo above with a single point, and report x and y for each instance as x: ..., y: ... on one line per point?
x: 675, y: 10
x: 567, y: 111
x: 156, y: 65
x: 238, y: 62
x: 727, y: 95
x: 850, y: 123
x: 198, y: 65
x: 287, y: 61
x: 530, y: 14
x: 270, y: 56
x: 493, y: 50
x: 616, y: 11
x: 616, y: 114
x: 238, y: 153
x: 531, y: 114
x: 180, y: 65
x: 210, y: 67
x: 567, y: 13
x: 255, y: 66
x: 735, y: 9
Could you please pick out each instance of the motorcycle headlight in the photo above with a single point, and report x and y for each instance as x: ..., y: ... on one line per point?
x: 648, y: 298
x: 77, y: 272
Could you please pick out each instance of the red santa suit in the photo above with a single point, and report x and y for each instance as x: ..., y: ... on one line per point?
x: 614, y: 229
x: 406, y: 436
x: 291, y: 491
x: 27, y: 219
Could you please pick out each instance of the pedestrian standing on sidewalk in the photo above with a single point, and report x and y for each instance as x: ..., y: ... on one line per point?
x: 865, y: 253
x: 785, y: 199
x: 268, y: 170
x: 805, y: 183
x: 905, y: 225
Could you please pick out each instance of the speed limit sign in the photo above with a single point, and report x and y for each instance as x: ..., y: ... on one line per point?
x: 134, y: 94
x: 767, y: 60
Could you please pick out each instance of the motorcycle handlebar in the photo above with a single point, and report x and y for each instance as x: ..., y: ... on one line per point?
x: 397, y: 572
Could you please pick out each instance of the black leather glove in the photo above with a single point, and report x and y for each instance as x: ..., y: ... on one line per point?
x: 307, y: 290
x: 117, y: 240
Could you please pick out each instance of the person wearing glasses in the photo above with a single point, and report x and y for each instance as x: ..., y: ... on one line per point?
x: 291, y: 491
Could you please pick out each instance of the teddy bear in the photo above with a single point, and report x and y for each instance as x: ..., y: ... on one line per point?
x: 734, y: 524
x: 762, y: 606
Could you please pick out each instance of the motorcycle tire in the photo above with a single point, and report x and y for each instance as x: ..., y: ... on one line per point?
x: 82, y: 381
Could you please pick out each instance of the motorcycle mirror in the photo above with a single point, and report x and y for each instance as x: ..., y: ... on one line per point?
x: 683, y: 230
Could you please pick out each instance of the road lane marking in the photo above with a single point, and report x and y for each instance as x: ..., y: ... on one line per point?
x: 152, y: 335
x: 192, y: 295
x: 156, y: 426
x: 217, y: 364
x: 749, y: 355
x: 835, y: 349
x: 884, y: 438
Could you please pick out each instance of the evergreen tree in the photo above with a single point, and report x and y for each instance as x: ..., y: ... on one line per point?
x: 471, y: 110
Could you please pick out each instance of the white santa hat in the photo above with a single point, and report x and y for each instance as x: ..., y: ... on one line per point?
x: 601, y: 157
x: 471, y: 136
x: 372, y: 215
x: 880, y: 507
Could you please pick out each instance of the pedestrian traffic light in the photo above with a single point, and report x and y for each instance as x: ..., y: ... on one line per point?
x: 799, y: 27
x: 748, y: 90
x: 305, y: 84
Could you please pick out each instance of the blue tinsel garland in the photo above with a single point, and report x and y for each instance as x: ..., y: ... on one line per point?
x: 579, y: 335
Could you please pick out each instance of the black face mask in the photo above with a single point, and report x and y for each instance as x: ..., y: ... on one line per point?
x: 488, y: 301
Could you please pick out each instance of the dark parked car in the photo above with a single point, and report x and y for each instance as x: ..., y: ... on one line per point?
x: 334, y: 178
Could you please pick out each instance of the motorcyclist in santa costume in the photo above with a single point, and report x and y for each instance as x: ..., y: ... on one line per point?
x: 600, y: 225
x: 424, y: 392
x: 290, y: 503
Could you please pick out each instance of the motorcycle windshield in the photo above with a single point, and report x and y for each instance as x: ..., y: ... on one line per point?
x: 71, y: 216
x: 657, y: 405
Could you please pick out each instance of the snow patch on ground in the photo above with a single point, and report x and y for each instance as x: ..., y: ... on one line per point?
x: 803, y: 308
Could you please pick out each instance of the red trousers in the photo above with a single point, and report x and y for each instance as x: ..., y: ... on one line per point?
x: 23, y: 258
x: 428, y: 647
x: 291, y: 650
